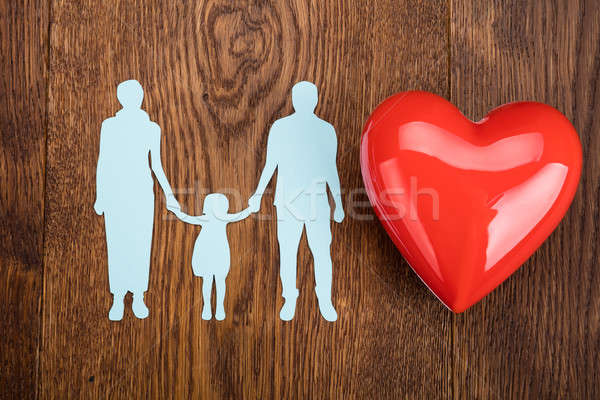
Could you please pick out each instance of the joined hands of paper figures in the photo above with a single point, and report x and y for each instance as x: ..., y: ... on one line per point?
x: 301, y: 147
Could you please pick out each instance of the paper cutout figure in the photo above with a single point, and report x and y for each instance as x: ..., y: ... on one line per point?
x: 125, y: 195
x: 211, y: 257
x: 303, y: 149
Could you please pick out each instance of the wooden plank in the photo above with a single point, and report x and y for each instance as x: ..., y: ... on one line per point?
x: 536, y: 336
x: 23, y: 83
x: 216, y: 75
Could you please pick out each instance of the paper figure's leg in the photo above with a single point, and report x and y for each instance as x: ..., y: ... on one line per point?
x: 116, y: 311
x: 143, y: 244
x: 289, y: 232
x: 139, y: 308
x: 129, y: 240
x: 140, y: 244
x: 207, y: 282
x: 318, y: 233
x: 117, y: 283
x: 117, y: 255
x: 221, y: 288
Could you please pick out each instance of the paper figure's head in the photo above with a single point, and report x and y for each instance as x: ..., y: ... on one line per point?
x: 130, y: 94
x: 305, y: 97
x: 215, y: 204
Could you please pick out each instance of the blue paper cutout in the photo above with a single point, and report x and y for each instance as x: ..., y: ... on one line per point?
x: 211, y: 257
x: 303, y: 149
x: 125, y: 196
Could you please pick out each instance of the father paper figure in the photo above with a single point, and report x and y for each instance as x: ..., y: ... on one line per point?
x: 303, y: 149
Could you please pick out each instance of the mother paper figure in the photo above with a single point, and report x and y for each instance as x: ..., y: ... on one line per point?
x: 125, y: 195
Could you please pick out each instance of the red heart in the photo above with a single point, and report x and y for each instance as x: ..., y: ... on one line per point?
x: 467, y: 203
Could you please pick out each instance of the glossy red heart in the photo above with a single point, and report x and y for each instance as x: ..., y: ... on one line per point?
x: 467, y: 203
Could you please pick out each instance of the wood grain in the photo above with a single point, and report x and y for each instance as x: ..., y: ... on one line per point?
x: 537, y: 335
x: 216, y: 75
x: 23, y: 80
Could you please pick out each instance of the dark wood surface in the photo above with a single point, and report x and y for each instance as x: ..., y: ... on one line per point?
x: 216, y: 75
x: 23, y: 95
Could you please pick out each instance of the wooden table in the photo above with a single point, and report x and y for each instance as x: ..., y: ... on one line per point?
x: 216, y: 75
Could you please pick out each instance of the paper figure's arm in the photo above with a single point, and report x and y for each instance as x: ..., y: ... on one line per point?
x: 159, y: 171
x: 332, y: 176
x: 191, y: 219
x: 100, y: 174
x: 238, y: 216
x: 100, y: 167
x: 270, y: 163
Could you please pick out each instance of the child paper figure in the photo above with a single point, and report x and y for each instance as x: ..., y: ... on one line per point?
x: 211, y: 257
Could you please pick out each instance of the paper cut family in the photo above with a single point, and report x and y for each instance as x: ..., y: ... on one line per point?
x: 301, y: 147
